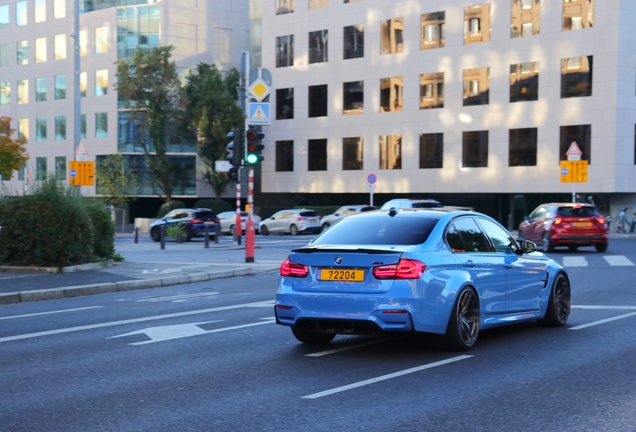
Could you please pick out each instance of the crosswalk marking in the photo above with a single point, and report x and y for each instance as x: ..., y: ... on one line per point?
x: 581, y: 261
x: 575, y: 261
x: 618, y: 260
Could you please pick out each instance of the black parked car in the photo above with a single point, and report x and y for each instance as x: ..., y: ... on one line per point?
x: 194, y: 222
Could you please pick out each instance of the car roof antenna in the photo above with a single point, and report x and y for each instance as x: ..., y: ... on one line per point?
x: 393, y: 211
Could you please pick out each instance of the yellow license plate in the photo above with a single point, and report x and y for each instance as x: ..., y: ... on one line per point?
x: 313, y: 220
x: 209, y: 222
x: 348, y: 275
x: 582, y: 224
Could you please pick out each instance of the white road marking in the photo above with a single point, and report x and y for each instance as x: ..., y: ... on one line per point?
x: 178, y: 297
x: 50, y: 312
x: 605, y: 307
x: 603, y: 321
x: 574, y: 261
x: 122, y: 322
x: 350, y: 347
x: 618, y: 260
x: 386, y: 377
x: 164, y: 333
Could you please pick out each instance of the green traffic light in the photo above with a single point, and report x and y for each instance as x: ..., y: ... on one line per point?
x: 251, y: 158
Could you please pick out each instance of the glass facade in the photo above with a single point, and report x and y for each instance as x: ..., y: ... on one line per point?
x: 317, y: 155
x: 284, y: 7
x: 101, y: 40
x: 475, y: 149
x: 23, y: 128
x: 352, y: 153
x: 21, y: 13
x: 131, y: 135
x: 60, y: 128
x: 578, y: 14
x: 317, y: 101
x: 60, y: 46
x: 522, y: 150
x: 137, y: 27
x: 576, y: 76
x: 101, y: 82
x: 22, y: 52
x: 476, y: 86
x: 101, y: 125
x: 318, y: 4
x: 285, y: 51
x: 431, y: 150
x: 525, y: 18
x: 353, y: 97
x: 40, y: 50
x: 318, y: 46
x: 284, y: 155
x: 433, y: 26
x: 60, y: 87
x: 40, y: 90
x: 391, y: 94
x: 59, y: 9
x: 23, y: 92
x: 4, y: 55
x: 5, y: 93
x: 582, y: 135
x: 284, y: 104
x: 40, y: 168
x: 4, y: 16
x: 40, y: 129
x: 353, y: 41
x: 390, y: 152
x: 432, y: 90
x: 477, y: 24
x: 60, y: 168
x: 392, y: 36
x: 39, y: 10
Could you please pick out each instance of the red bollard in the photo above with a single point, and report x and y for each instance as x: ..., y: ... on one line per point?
x: 249, y: 240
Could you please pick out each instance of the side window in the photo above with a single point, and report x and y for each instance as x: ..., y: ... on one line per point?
x: 277, y: 215
x: 454, y: 240
x: 539, y: 212
x: 471, y: 235
x: 171, y: 214
x: 499, y: 238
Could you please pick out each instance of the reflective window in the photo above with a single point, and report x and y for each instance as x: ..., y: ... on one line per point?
x: 476, y: 86
x: 60, y: 47
x: 5, y: 93
x: 477, y: 24
x: 60, y: 128
x: 522, y: 147
x: 137, y: 27
x: 131, y: 133
x: 432, y: 90
x: 578, y: 14
x: 284, y: 104
x: 101, y: 82
x: 284, y: 155
x: 285, y: 51
x: 317, y: 4
x: 353, y: 97
x: 40, y: 90
x: 39, y: 10
x: 83, y: 42
x: 4, y: 16
x: 353, y: 41
x: 524, y: 82
x: 475, y: 149
x: 22, y: 52
x: 40, y: 50
x: 318, y: 46
x: 21, y: 16
x: 525, y: 18
x: 392, y: 34
x: 40, y: 129
x: 59, y: 9
x: 101, y: 40
x: 23, y: 92
x: 433, y: 25
x: 390, y: 152
x: 4, y: 55
x: 317, y: 155
x: 23, y: 128
x: 60, y: 87
x: 581, y: 135
x: 101, y: 125
x: 284, y: 7
x: 472, y: 239
x: 576, y: 76
x: 500, y: 239
x: 391, y: 94
x: 317, y: 101
x: 431, y: 150
x: 40, y: 168
x: 60, y: 168
x: 83, y: 127
x: 352, y: 153
x: 83, y: 83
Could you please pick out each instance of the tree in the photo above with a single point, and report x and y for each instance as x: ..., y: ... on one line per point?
x: 13, y: 153
x: 115, y: 181
x: 149, y: 84
x: 210, y: 104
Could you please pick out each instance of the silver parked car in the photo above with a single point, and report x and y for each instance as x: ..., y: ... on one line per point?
x: 228, y: 222
x: 401, y: 203
x: 343, y: 212
x: 292, y: 221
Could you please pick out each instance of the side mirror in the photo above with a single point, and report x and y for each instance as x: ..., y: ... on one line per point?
x: 336, y: 214
x: 526, y: 246
x: 526, y: 218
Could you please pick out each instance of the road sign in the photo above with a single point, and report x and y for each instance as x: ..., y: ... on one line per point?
x: 222, y: 166
x: 574, y: 152
x: 574, y: 171
x: 81, y: 154
x: 372, y: 178
x: 82, y: 173
x: 259, y: 113
x: 259, y: 88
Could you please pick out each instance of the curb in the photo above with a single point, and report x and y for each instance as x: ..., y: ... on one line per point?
x: 69, y: 269
x: 130, y: 285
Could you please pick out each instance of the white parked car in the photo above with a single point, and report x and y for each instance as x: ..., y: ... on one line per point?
x: 292, y: 221
x: 228, y: 222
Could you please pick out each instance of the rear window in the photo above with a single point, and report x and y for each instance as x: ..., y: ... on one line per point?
x: 378, y: 230
x: 576, y: 211
x: 205, y: 215
x: 366, y: 209
x: 309, y: 214
x: 427, y: 204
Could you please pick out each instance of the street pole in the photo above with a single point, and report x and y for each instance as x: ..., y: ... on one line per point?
x: 238, y: 230
x: 77, y: 106
x: 249, y: 230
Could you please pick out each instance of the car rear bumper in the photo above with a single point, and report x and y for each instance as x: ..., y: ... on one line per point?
x: 579, y: 240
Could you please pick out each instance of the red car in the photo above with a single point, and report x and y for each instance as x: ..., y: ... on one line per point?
x: 565, y: 224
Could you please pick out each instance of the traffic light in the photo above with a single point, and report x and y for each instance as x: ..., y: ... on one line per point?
x: 254, y: 146
x: 235, y: 152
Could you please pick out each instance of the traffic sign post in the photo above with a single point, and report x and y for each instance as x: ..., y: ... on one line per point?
x: 371, y: 179
x: 82, y: 173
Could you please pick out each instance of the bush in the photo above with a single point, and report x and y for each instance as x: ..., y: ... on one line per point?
x: 103, y: 229
x: 216, y: 205
x: 168, y: 206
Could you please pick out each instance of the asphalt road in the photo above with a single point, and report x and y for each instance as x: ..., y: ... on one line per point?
x: 208, y: 357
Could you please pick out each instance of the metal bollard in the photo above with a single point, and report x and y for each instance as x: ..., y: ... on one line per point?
x: 207, y: 236
x: 163, y: 236
x: 136, y: 235
x: 217, y: 233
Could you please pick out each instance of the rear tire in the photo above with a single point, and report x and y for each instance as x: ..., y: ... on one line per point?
x: 156, y: 235
x: 547, y: 246
x: 264, y: 231
x: 558, y: 309
x: 324, y: 227
x: 601, y: 247
x: 463, y: 325
x: 293, y: 230
x: 311, y: 337
x: 573, y: 248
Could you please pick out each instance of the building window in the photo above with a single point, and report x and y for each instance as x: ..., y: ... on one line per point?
x: 391, y: 94
x: 60, y: 87
x: 60, y: 168
x: 318, y: 4
x: 23, y: 92
x: 83, y: 83
x: 525, y: 18
x: 285, y: 51
x: 137, y: 27
x: 4, y: 16
x: 522, y: 148
x: 40, y: 129
x: 40, y: 50
x: 351, y: 1
x: 131, y: 135
x: 21, y: 15
x: 392, y: 35
x: 390, y: 152
x: 23, y: 128
x: 352, y: 153
x: 284, y: 7
x: 4, y: 55
x: 40, y: 168
x: 59, y: 9
x: 101, y: 125
x: 431, y: 150
x: 353, y: 41
x: 578, y: 14
x: 477, y: 24
x: 524, y: 82
x: 40, y: 90
x: 476, y: 86
x: 433, y: 25
x: 353, y: 97
x: 318, y: 46
x: 576, y: 76
x: 318, y: 101
x: 101, y: 40
x: 581, y: 135
x: 317, y: 155
x: 39, y: 10
x: 60, y: 46
x: 284, y: 104
x: 284, y: 155
x: 60, y: 128
x: 432, y: 90
x: 83, y: 43
x: 22, y: 52
x: 83, y: 126
x: 5, y: 93
x: 101, y: 82
x: 475, y: 149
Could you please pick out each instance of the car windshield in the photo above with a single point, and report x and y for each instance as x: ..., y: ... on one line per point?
x: 426, y: 204
x: 309, y: 214
x: 380, y: 229
x: 583, y: 211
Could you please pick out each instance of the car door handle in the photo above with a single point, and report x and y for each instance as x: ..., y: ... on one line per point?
x: 470, y: 263
x: 508, y: 265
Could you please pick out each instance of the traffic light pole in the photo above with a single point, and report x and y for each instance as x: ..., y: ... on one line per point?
x: 238, y: 229
x: 249, y: 229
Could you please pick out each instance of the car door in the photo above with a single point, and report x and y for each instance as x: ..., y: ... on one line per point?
x: 275, y: 224
x: 526, y: 276
x: 534, y: 228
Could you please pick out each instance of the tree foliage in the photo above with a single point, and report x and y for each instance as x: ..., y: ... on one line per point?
x: 13, y: 154
x: 116, y: 183
x: 150, y: 85
x: 210, y: 103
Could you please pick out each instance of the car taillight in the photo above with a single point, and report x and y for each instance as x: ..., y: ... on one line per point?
x: 405, y: 269
x: 601, y: 220
x: 557, y: 221
x: 300, y: 219
x: 196, y: 221
x: 288, y: 268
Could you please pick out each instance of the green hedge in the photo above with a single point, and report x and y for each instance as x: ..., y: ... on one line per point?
x: 217, y: 206
x: 168, y: 206
x: 321, y: 210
